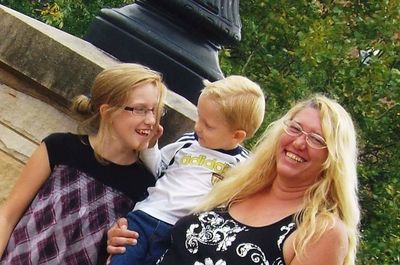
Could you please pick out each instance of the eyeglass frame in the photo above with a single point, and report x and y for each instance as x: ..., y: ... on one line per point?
x: 142, y: 111
x: 301, y: 132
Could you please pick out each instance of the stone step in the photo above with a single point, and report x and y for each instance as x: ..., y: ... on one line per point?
x: 24, y: 122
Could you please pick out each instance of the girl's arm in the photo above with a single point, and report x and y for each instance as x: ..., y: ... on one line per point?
x: 151, y: 156
x: 33, y: 175
x: 118, y: 236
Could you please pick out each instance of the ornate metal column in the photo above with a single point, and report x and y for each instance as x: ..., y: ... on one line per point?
x: 180, y: 38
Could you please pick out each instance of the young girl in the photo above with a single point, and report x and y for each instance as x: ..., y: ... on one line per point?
x: 74, y: 186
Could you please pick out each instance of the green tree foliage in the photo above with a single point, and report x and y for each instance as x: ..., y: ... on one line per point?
x: 295, y: 48
x: 72, y: 16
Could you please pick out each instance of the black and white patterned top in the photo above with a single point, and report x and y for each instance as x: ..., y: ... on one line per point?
x: 215, y: 238
x: 67, y: 221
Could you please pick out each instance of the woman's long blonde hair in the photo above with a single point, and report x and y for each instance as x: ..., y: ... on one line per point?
x: 113, y: 86
x: 334, y: 195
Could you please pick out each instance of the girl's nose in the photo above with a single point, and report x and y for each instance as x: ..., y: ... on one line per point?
x: 150, y: 118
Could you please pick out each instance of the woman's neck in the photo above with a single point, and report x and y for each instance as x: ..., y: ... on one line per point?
x: 287, y: 192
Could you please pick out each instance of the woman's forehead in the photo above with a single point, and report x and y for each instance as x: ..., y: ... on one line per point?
x: 308, y: 118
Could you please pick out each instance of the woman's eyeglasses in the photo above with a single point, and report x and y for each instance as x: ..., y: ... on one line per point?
x: 314, y: 140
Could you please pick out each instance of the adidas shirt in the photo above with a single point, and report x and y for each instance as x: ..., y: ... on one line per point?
x: 186, y: 172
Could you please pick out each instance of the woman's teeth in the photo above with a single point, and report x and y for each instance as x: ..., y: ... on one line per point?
x: 294, y: 157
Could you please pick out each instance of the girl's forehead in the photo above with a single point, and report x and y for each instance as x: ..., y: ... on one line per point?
x: 144, y: 92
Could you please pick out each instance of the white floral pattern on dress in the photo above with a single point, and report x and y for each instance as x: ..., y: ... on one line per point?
x: 287, y: 229
x: 278, y: 261
x: 209, y: 261
x: 219, y: 233
x: 257, y: 255
x: 214, y: 230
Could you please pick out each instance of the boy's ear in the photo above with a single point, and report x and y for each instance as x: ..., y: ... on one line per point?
x: 240, y: 135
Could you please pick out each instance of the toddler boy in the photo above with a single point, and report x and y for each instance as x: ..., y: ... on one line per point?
x: 229, y: 111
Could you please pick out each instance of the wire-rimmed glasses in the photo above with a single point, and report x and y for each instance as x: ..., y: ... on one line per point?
x: 314, y: 140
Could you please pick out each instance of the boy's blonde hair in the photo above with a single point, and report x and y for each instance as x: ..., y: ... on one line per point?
x: 334, y: 195
x: 242, y: 102
x: 113, y: 86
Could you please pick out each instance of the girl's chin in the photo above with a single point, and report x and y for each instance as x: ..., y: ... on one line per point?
x: 142, y: 146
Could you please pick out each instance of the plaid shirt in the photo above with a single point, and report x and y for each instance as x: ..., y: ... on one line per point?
x: 66, y: 222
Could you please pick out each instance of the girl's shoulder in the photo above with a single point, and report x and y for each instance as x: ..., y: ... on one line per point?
x: 67, y: 148
x: 66, y: 141
x: 64, y: 138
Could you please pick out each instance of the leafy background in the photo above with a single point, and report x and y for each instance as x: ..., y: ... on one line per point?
x: 294, y: 48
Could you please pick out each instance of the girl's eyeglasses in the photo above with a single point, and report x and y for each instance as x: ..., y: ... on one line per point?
x: 142, y: 111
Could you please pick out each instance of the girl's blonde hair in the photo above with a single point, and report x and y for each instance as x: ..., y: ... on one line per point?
x: 334, y: 195
x: 113, y: 86
x: 242, y: 102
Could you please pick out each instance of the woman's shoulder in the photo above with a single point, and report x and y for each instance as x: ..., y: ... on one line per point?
x: 337, y: 232
x: 330, y: 245
x: 336, y: 226
x: 333, y: 242
x: 331, y: 230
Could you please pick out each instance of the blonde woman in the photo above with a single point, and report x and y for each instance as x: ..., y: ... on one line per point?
x: 293, y: 202
x: 74, y: 186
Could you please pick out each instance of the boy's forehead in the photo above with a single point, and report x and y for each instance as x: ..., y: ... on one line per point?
x: 209, y: 97
x: 209, y: 109
x: 209, y: 101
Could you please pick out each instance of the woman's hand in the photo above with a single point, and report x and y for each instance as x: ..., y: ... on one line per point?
x: 118, y: 236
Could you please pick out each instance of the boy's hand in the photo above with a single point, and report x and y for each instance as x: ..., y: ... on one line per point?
x: 157, y: 133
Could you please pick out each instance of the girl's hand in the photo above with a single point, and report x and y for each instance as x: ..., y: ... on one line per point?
x: 118, y: 236
x: 157, y: 133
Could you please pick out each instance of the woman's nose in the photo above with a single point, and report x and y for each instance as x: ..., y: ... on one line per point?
x: 300, y: 141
